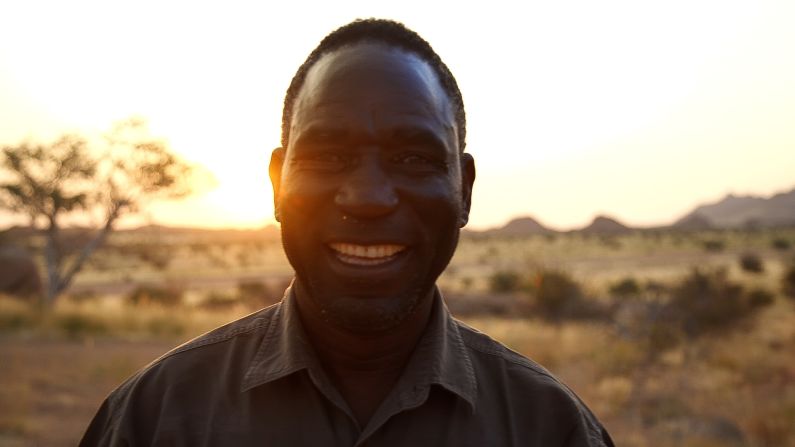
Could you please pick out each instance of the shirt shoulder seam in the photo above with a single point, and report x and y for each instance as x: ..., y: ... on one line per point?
x: 259, y: 320
x: 482, y: 343
x: 493, y: 347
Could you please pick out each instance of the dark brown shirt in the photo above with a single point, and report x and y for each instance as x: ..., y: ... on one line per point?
x: 257, y: 381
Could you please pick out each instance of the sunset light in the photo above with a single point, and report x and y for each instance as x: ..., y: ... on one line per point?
x: 632, y: 109
x: 609, y: 261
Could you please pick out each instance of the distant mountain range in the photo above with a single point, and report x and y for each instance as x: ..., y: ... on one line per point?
x: 743, y: 212
x: 730, y: 212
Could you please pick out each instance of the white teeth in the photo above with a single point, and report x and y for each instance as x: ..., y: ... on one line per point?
x: 366, y: 254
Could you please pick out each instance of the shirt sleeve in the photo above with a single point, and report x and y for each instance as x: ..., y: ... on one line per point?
x: 582, y: 436
x: 102, y: 430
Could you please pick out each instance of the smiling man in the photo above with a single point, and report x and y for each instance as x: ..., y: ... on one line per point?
x: 371, y: 186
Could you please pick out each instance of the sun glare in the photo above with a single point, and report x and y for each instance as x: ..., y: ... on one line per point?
x: 635, y: 109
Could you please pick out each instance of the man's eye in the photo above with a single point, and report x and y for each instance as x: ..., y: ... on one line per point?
x: 321, y: 162
x: 411, y: 159
x: 418, y: 163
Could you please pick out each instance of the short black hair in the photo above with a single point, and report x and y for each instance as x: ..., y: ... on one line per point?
x: 391, y: 33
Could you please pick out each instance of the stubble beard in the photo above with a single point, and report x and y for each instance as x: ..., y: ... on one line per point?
x: 372, y: 314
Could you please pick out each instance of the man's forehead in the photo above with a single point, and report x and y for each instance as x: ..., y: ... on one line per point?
x: 372, y: 65
x: 369, y: 54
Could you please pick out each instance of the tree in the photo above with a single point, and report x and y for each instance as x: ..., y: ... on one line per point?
x: 111, y: 177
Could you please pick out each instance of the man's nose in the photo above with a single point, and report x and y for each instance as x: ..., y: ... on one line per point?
x: 367, y: 192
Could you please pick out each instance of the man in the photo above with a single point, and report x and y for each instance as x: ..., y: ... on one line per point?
x: 371, y: 186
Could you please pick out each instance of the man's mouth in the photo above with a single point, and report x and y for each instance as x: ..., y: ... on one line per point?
x: 366, y: 255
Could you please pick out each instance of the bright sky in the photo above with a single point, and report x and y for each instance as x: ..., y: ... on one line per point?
x: 638, y: 110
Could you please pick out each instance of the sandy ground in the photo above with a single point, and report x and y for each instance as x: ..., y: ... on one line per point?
x: 42, y: 407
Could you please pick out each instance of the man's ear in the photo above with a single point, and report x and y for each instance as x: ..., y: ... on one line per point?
x: 275, y: 173
x: 467, y: 182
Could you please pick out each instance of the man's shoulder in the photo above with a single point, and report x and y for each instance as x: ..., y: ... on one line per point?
x: 483, y: 344
x: 531, y: 388
x: 179, y: 382
x: 215, y: 348
x: 252, y: 324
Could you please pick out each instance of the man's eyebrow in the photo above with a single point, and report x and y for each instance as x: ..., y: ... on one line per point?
x: 322, y: 133
x: 413, y: 134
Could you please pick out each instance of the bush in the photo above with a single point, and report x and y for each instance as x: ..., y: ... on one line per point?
x: 166, y: 327
x: 258, y: 294
x: 788, y: 281
x: 559, y: 297
x: 751, y: 262
x: 760, y: 298
x: 625, y: 288
x: 76, y: 325
x: 714, y: 245
x: 781, y: 244
x: 708, y: 302
x: 655, y: 287
x: 144, y: 295
x: 16, y: 315
x: 218, y: 301
x: 556, y: 291
x: 503, y: 282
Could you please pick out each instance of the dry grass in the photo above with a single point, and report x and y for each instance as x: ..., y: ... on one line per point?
x: 733, y: 390
x: 110, y: 318
x: 58, y: 366
x: 736, y: 388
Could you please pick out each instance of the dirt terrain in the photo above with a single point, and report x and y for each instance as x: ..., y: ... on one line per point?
x: 51, y: 388
x: 731, y: 386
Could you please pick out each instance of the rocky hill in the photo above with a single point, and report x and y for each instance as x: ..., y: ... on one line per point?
x: 522, y: 226
x: 606, y: 225
x: 744, y: 211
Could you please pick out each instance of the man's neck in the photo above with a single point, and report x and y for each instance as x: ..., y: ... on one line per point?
x: 363, y: 366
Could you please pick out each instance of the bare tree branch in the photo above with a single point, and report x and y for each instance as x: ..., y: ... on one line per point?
x: 47, y: 181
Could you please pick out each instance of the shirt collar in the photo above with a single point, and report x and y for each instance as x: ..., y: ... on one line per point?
x: 285, y: 348
x: 440, y: 357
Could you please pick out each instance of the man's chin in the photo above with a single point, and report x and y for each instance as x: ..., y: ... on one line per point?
x: 369, y: 315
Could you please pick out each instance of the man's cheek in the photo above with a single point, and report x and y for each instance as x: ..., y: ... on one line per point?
x: 305, y: 196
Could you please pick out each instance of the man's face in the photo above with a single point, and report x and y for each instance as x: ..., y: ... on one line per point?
x: 371, y: 190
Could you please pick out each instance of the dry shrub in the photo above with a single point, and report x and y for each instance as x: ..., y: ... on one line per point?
x: 258, y: 294
x: 620, y: 359
x: 788, y: 280
x: 558, y: 297
x: 475, y: 304
x: 625, y: 288
x: 760, y: 298
x: 164, y: 296
x: 165, y: 326
x: 751, y: 263
x: 714, y: 245
x: 218, y: 301
x: 780, y: 244
x: 504, y: 282
x: 705, y: 302
x: 80, y: 325
x: 16, y: 315
x: 700, y: 303
x: 556, y: 294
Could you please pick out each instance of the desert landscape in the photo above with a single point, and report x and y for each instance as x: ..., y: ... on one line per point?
x: 675, y: 336
x: 630, y: 213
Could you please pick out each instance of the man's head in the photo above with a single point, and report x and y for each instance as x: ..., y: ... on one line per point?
x: 393, y: 34
x: 371, y: 184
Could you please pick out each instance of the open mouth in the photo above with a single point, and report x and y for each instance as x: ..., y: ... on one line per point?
x: 366, y: 255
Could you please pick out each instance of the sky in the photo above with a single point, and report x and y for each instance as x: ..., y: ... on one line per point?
x: 636, y: 110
